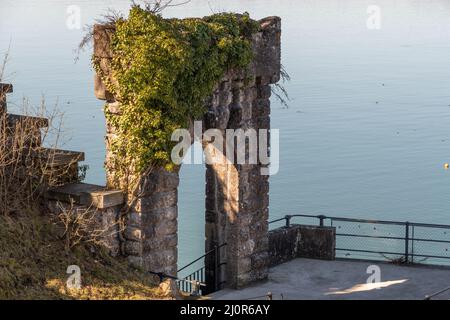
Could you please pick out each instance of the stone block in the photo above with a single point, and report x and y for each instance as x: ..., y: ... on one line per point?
x: 260, y: 260
x: 132, y: 233
x: 153, y: 215
x: 99, y: 88
x: 157, y: 182
x: 263, y: 122
x: 267, y: 49
x: 161, y: 242
x: 166, y: 227
x: 158, y: 200
x: 261, y: 108
x: 102, y: 39
x: 133, y: 248
x: 135, y: 261
x: 264, y: 91
x: 87, y: 194
x: 5, y: 88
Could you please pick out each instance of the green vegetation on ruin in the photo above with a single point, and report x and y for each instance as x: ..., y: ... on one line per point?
x: 162, y: 71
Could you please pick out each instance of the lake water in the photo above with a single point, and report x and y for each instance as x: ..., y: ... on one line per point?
x: 367, y: 131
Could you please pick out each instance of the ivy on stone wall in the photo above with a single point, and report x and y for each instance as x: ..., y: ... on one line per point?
x: 163, y: 70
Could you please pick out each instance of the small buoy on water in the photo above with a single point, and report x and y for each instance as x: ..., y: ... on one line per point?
x: 446, y: 165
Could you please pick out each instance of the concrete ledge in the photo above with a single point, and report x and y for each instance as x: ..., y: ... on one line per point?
x: 86, y: 194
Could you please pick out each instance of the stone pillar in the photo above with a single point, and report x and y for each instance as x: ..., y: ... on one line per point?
x: 150, y: 236
x: 237, y: 199
x: 151, y: 230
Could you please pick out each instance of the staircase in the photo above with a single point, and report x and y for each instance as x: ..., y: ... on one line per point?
x: 68, y: 189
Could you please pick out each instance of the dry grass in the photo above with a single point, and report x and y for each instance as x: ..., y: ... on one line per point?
x: 77, y: 226
x: 33, y: 265
x: 33, y: 259
x: 27, y: 170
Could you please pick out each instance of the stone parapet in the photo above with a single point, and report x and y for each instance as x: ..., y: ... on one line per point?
x: 301, y: 241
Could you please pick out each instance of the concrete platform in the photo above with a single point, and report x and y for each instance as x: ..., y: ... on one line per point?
x: 344, y: 279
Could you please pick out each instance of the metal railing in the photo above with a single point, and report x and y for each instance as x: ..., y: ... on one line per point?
x: 193, y: 283
x: 395, y: 241
x: 208, y: 278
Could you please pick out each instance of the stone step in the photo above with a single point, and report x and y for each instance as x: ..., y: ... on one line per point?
x: 37, y: 122
x: 6, y: 88
x: 58, y: 158
x: 86, y: 194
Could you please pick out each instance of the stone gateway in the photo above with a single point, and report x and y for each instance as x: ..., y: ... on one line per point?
x: 237, y: 195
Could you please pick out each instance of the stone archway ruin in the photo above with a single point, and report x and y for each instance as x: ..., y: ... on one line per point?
x: 237, y: 196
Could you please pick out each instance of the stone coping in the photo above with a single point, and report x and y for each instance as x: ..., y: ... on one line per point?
x: 86, y: 194
x: 6, y: 88
x: 59, y: 157
x: 18, y: 118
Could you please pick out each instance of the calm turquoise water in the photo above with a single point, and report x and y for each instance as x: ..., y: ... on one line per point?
x: 367, y: 131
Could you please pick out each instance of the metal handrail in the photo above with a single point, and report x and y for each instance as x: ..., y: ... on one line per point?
x: 203, y: 256
x: 193, y: 282
x: 323, y: 217
x: 408, y: 235
x: 200, y: 277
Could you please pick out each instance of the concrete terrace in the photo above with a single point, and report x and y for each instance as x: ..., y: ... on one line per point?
x: 344, y: 279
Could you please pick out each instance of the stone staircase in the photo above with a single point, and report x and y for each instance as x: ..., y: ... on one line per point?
x: 69, y: 191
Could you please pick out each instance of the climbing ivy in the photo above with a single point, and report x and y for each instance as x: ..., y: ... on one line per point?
x: 163, y: 70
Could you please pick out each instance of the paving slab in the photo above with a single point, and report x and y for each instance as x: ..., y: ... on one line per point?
x: 306, y: 279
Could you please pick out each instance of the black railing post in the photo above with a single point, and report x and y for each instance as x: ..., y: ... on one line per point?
x: 412, y: 244
x: 216, y: 268
x: 288, y: 220
x: 321, y: 218
x: 407, y: 242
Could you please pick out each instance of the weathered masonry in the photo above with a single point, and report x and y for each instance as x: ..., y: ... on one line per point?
x: 60, y: 174
x: 237, y: 200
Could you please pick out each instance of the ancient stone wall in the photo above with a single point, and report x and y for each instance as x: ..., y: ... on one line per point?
x: 237, y: 200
